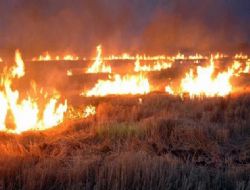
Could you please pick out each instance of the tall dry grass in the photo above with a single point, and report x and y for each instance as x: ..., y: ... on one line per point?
x: 160, y: 143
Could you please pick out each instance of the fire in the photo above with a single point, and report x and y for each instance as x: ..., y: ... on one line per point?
x: 99, y: 66
x: 1, y: 60
x: 169, y: 90
x: 157, y: 66
x: 238, y: 67
x: 240, y: 56
x: 126, y: 56
x: 89, y: 111
x: 44, y: 57
x: 205, y: 84
x: 70, y: 58
x: 196, y: 57
x: 220, y: 56
x: 47, y: 57
x: 69, y: 72
x: 26, y: 114
x: 129, y: 84
x: 247, y: 68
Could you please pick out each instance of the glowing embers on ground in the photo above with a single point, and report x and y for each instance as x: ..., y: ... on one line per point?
x: 204, y: 84
x: 37, y: 112
x: 157, y: 66
x: 128, y: 84
x: 99, y: 66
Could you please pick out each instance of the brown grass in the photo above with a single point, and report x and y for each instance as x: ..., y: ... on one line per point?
x: 162, y: 143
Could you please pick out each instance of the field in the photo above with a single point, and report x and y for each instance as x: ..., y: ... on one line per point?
x: 153, y: 141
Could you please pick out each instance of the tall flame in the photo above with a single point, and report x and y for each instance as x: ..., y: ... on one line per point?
x: 25, y: 114
x: 99, y: 66
x: 205, y: 84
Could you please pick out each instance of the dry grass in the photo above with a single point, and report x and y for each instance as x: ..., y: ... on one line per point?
x: 161, y: 143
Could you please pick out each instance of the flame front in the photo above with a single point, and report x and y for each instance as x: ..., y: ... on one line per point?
x: 157, y: 66
x: 205, y: 84
x: 129, y: 84
x: 25, y: 114
x: 99, y: 66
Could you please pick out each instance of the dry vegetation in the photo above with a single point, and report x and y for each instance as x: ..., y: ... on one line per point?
x: 161, y: 142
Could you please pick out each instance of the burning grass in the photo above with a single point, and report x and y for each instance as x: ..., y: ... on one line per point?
x: 164, y: 122
x: 152, y: 141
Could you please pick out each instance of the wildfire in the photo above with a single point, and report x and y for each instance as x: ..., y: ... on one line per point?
x: 18, y: 115
x: 69, y: 72
x: 129, y: 84
x: 220, y: 56
x: 89, y: 111
x: 169, y: 90
x: 205, y: 84
x: 240, y: 56
x: 157, y: 66
x: 247, y: 68
x: 47, y: 57
x: 99, y: 66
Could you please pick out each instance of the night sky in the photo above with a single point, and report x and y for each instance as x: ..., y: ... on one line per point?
x: 151, y: 26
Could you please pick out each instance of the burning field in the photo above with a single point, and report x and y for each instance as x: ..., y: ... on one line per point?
x: 124, y: 95
x: 125, y: 122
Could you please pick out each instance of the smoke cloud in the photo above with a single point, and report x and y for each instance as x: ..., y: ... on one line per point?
x: 158, y: 26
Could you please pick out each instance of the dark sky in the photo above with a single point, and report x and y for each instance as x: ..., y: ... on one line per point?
x: 152, y: 26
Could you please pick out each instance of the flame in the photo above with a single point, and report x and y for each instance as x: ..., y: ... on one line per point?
x: 70, y: 58
x: 205, y: 84
x: 69, y: 72
x: 238, y: 67
x: 169, y: 90
x: 1, y: 60
x: 240, y: 56
x: 89, y: 111
x: 25, y: 113
x: 220, y: 56
x: 247, y: 68
x: 157, y: 66
x: 19, y: 69
x: 99, y: 66
x: 47, y: 57
x: 129, y: 84
x: 196, y: 57
x: 44, y: 57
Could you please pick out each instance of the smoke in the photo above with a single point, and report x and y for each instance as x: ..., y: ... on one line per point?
x: 158, y: 26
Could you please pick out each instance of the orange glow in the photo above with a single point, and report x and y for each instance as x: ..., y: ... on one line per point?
x: 26, y: 114
x: 129, y: 84
x: 99, y: 66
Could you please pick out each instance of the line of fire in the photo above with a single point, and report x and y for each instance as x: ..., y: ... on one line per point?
x: 35, y: 98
